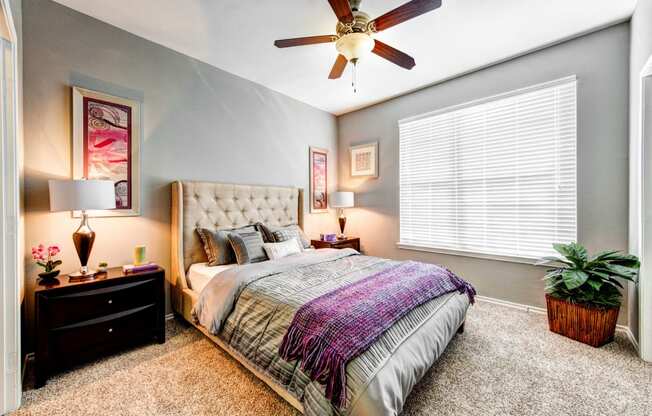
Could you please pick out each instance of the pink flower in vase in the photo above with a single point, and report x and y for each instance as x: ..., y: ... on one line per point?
x: 45, y: 257
x: 53, y: 250
x: 38, y: 253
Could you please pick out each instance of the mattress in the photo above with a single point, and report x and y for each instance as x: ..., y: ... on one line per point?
x: 201, y: 273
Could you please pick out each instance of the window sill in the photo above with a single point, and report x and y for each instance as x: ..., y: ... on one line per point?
x: 509, y: 259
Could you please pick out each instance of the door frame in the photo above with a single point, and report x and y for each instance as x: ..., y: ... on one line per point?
x: 10, y: 230
x: 644, y: 223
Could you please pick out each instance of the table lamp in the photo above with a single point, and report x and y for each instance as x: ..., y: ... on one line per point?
x: 82, y: 195
x: 341, y: 200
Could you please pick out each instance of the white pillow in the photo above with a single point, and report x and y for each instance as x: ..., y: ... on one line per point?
x: 283, y: 249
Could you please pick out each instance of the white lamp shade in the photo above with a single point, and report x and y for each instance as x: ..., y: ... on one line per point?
x: 84, y: 194
x: 341, y: 199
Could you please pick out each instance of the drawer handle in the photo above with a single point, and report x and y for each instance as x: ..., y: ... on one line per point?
x: 110, y: 301
x: 110, y: 330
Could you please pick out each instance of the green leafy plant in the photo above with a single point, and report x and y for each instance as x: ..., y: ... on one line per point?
x: 592, y: 281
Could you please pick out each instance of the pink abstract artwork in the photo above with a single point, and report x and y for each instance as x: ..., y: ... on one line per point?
x: 107, y: 146
x: 319, y: 177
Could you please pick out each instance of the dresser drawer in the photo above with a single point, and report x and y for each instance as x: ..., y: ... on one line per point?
x: 84, y: 305
x: 87, y: 338
x: 346, y: 245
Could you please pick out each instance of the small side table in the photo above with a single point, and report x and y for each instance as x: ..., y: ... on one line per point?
x: 348, y: 242
x: 77, y: 321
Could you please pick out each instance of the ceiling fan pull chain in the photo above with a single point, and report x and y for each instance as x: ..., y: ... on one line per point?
x: 354, y: 82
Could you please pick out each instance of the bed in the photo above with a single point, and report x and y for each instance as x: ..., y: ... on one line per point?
x: 379, y: 380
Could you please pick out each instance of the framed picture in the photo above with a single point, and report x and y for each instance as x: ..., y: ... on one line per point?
x: 318, y: 180
x: 106, y: 145
x: 364, y: 160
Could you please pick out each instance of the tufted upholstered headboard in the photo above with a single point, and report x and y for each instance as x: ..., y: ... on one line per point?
x: 216, y: 206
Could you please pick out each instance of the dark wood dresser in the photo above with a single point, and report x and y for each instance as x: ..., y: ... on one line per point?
x: 77, y: 321
x: 348, y: 242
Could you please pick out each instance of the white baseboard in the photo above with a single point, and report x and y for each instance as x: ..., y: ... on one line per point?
x: 535, y: 309
x: 513, y: 305
x: 630, y: 335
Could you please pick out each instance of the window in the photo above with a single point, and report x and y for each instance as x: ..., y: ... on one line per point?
x: 495, y: 177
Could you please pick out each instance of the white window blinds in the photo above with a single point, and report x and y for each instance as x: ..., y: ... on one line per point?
x: 494, y: 177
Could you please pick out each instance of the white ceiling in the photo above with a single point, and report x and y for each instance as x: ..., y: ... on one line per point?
x: 237, y: 36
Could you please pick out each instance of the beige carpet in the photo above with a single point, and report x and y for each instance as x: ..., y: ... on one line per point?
x: 506, y: 363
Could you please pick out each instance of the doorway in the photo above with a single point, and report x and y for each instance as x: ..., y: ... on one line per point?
x: 10, y: 282
x: 645, y: 279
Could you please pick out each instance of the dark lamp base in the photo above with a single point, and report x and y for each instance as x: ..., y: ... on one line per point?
x: 342, y: 221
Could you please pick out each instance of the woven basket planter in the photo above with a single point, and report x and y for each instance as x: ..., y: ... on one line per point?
x: 589, y: 325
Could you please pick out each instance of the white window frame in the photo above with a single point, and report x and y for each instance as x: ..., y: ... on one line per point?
x: 476, y: 254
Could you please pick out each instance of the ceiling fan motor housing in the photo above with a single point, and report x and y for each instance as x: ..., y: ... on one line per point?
x: 360, y: 24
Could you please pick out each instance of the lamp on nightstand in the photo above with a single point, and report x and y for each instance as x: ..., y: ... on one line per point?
x: 341, y: 200
x: 82, y: 195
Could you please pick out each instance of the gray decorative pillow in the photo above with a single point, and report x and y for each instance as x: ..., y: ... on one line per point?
x: 266, y: 232
x: 217, y: 247
x: 288, y: 232
x: 248, y: 247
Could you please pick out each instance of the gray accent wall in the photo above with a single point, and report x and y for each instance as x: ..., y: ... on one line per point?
x: 641, y: 50
x: 601, y: 62
x: 200, y: 123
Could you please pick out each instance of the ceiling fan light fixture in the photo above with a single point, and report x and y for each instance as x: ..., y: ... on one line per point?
x: 355, y: 45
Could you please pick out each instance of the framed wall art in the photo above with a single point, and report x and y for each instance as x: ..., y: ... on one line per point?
x: 318, y: 180
x: 364, y: 160
x: 106, y: 145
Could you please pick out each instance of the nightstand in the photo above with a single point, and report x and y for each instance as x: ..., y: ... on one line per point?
x: 82, y: 320
x: 348, y: 242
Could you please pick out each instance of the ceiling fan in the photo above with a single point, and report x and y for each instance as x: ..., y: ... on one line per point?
x: 355, y: 32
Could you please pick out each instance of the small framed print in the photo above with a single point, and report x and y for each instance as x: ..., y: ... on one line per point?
x: 106, y: 145
x: 318, y: 180
x: 364, y: 160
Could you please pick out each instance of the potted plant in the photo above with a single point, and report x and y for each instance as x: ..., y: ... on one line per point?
x: 45, y: 257
x: 583, y: 293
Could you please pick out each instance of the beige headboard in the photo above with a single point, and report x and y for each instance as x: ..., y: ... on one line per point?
x: 217, y: 206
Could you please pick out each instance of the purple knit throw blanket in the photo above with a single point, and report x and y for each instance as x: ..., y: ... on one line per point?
x: 329, y: 331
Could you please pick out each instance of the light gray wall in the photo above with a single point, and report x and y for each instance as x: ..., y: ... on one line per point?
x: 601, y: 63
x: 199, y: 123
x: 641, y: 50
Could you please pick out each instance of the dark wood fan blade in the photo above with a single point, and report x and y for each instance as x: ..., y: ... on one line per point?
x: 309, y: 40
x: 393, y: 55
x: 342, y: 10
x: 338, y: 67
x: 405, y: 12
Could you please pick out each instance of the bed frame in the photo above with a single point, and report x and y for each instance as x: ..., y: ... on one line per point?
x: 215, y: 206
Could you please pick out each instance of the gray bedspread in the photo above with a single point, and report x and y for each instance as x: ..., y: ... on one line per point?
x: 250, y: 308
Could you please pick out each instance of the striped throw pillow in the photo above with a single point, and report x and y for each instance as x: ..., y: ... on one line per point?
x: 248, y: 247
x: 217, y: 246
x: 289, y: 232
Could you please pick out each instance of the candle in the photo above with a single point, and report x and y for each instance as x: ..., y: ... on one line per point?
x: 139, y: 255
